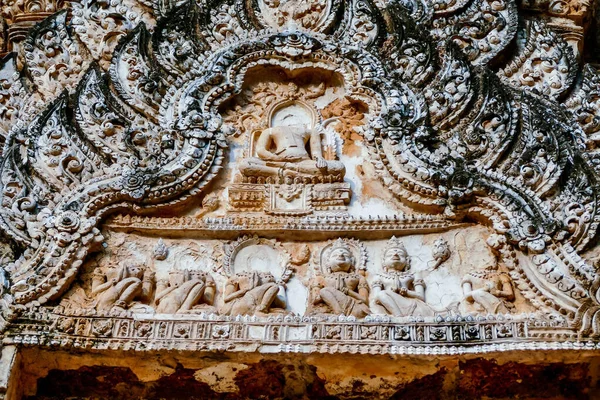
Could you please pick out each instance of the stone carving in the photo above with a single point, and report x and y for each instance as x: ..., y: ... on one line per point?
x: 186, y: 291
x: 481, y: 28
x: 341, y: 288
x: 573, y: 9
x: 225, y: 24
x: 21, y: 17
x: 281, y: 149
x: 397, y: 291
x: 292, y: 14
x: 209, y: 203
x: 101, y: 25
x: 291, y: 151
x: 487, y: 291
x: 161, y: 251
x: 252, y: 293
x: 585, y: 105
x: 51, y: 43
x: 545, y: 64
x: 116, y: 287
x: 249, y: 291
x: 441, y: 253
x: 11, y: 91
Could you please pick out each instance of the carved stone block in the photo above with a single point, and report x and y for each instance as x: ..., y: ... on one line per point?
x: 292, y: 199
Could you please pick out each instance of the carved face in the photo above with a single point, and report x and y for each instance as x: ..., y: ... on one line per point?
x: 135, y: 271
x: 341, y: 260
x: 395, y: 258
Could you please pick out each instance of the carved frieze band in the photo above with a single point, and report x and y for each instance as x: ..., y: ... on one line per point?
x: 287, y: 334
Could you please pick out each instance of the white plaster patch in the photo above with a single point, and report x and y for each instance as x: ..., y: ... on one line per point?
x: 220, y: 377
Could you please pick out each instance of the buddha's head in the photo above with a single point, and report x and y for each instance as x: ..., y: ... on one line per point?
x: 340, y: 258
x: 292, y: 114
x: 395, y: 256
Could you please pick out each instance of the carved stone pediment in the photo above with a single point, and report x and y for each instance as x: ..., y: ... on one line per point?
x: 288, y: 175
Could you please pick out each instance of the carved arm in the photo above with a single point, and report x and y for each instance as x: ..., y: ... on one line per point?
x: 162, y: 289
x: 210, y: 291
x: 316, y: 150
x: 418, y: 292
x: 377, y: 286
x: 98, y: 283
x: 467, y: 291
x: 507, y: 291
x: 231, y: 294
x: 315, y: 290
x: 147, y: 285
x: 262, y: 147
x: 362, y: 294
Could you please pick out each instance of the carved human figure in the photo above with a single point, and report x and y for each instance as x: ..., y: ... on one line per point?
x: 487, y: 290
x: 117, y: 288
x: 249, y: 293
x: 397, y: 291
x: 185, y: 291
x: 281, y: 150
x: 341, y: 289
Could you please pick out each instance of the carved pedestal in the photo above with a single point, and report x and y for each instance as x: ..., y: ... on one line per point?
x: 293, y: 199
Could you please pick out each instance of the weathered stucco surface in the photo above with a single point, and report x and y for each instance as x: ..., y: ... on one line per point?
x: 241, y: 376
x: 299, y: 199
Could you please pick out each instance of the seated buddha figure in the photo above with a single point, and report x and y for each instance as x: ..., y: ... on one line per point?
x: 291, y: 148
x: 397, y: 291
x: 341, y: 290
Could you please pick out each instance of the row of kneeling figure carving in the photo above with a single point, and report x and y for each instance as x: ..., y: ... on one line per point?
x: 185, y: 290
x: 340, y: 289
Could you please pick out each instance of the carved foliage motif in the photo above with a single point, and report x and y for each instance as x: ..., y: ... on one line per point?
x: 55, y: 57
x: 585, y: 104
x: 100, y: 24
x: 481, y: 28
x: 11, y: 94
x: 544, y: 64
